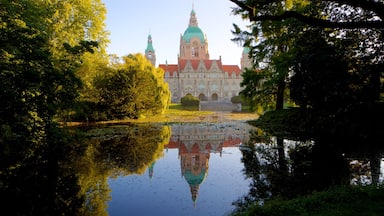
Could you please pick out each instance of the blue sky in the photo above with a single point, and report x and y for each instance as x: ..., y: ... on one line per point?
x: 129, y: 23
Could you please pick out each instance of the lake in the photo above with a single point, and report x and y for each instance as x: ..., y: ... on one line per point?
x: 175, y: 169
x: 199, y: 173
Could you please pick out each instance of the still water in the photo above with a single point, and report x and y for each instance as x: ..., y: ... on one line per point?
x: 199, y: 173
x: 175, y: 169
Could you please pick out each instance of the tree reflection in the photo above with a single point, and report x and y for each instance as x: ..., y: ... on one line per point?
x: 132, y: 150
x: 69, y: 177
x: 286, y: 169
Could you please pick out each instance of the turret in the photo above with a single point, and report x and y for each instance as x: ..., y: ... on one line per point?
x: 150, y: 52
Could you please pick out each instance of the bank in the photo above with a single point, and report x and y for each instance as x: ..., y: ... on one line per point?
x: 342, y: 201
x: 177, y: 113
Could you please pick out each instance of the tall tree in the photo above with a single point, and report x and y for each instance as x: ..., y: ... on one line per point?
x: 356, y: 26
x: 270, y: 46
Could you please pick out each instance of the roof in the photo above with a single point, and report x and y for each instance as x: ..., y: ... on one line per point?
x: 232, y: 69
x: 193, y: 32
x: 149, y: 45
x: 173, y: 68
x: 195, y: 63
x: 170, y: 68
x: 246, y: 50
x: 194, y: 180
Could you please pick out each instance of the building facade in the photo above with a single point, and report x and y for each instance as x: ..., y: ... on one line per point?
x: 195, y: 73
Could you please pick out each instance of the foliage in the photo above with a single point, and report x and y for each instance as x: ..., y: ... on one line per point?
x: 238, y: 99
x: 132, y: 148
x: 346, y: 200
x: 346, y: 16
x: 133, y: 90
x: 352, y: 28
x: 255, y: 93
x: 270, y: 46
x: 190, y: 100
x: 34, y: 88
x: 38, y: 75
x: 320, y: 77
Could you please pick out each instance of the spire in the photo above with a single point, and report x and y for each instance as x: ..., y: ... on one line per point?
x: 150, y: 170
x: 150, y: 52
x: 193, y: 18
x: 149, y: 44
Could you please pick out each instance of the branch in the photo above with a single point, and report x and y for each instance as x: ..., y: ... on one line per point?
x: 320, y: 22
x: 369, y: 5
x: 307, y: 19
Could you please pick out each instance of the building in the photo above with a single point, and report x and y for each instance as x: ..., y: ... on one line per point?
x: 195, y: 73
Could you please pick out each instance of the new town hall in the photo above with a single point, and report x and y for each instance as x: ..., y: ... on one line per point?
x: 197, y: 74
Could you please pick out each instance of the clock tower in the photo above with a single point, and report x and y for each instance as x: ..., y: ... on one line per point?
x: 150, y: 52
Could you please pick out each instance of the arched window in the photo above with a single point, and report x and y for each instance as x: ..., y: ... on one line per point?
x: 215, y: 97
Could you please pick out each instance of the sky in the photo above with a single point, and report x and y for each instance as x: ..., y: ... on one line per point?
x: 129, y: 23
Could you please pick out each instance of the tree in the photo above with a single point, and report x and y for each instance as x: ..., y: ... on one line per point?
x: 355, y: 26
x: 320, y: 77
x: 134, y: 89
x: 270, y: 44
x: 373, y: 8
x: 35, y: 86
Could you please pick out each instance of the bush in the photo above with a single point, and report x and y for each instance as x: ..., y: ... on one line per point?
x: 190, y: 100
x: 238, y: 100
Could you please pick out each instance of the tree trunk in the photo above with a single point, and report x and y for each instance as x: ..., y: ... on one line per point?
x: 280, y: 94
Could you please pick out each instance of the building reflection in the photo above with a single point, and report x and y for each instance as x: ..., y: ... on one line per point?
x: 196, y: 142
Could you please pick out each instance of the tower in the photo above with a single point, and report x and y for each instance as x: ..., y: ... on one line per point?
x: 150, y: 52
x: 245, y: 61
x: 193, y: 43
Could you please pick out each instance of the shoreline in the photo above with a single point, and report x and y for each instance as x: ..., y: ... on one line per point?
x: 177, y: 117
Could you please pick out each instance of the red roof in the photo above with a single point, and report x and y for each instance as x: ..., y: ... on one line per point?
x: 195, y: 63
x: 173, y: 68
x: 177, y: 144
x: 231, y: 69
x: 170, y: 68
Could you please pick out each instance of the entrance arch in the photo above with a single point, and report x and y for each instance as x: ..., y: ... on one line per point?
x: 202, y: 97
x: 215, y: 97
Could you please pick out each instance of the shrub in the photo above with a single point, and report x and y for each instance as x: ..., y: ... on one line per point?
x: 238, y: 99
x: 190, y: 100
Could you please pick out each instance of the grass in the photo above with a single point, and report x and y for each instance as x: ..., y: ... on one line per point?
x: 177, y: 113
x: 343, y: 201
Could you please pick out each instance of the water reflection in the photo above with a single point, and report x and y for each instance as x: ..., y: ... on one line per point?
x: 200, y: 174
x: 195, y: 142
x: 286, y: 168
x: 193, y: 169
x: 70, y: 177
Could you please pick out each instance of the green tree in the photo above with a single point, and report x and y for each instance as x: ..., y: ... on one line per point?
x: 33, y: 88
x: 74, y: 21
x: 134, y: 89
x: 270, y: 46
x: 320, y: 79
x: 354, y: 26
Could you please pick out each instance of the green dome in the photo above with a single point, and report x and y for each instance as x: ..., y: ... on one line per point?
x: 194, y: 179
x: 246, y: 50
x: 149, y: 45
x: 192, y: 32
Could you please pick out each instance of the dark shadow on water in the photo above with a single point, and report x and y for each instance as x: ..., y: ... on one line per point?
x: 344, y: 150
x: 69, y: 177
